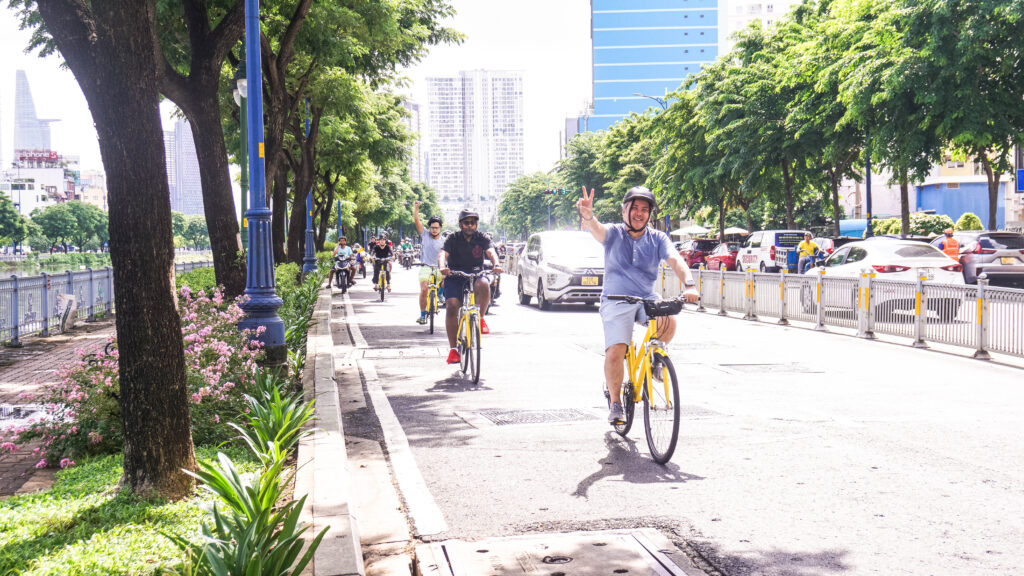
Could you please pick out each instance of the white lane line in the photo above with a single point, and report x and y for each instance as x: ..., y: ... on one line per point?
x: 426, y: 517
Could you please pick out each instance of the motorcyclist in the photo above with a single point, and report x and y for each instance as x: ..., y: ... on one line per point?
x: 341, y: 251
x: 808, y: 250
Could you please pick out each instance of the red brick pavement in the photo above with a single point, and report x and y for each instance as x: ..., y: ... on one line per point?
x: 26, y: 370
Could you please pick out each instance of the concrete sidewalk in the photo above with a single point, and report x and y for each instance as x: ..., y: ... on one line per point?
x: 24, y: 372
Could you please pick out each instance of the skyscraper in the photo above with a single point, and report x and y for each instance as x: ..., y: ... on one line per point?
x: 30, y: 132
x: 416, y: 171
x: 476, y: 138
x: 734, y: 15
x: 183, y: 169
x: 644, y: 49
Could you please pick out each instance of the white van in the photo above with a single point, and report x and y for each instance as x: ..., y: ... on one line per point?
x: 757, y: 253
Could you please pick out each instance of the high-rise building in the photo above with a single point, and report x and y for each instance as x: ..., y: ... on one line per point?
x: 416, y: 171
x: 476, y: 138
x: 30, y: 132
x: 183, y: 169
x: 644, y: 49
x: 735, y: 15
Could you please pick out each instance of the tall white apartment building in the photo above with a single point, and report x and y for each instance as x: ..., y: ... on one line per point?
x: 476, y: 139
x: 183, y: 169
x: 416, y: 170
x: 735, y: 15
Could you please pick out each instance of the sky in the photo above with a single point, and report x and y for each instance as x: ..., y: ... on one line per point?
x: 547, y: 40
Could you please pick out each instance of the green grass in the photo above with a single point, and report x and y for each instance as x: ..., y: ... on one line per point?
x: 84, y: 525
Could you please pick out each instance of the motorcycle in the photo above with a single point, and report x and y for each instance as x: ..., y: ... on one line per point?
x: 818, y: 260
x: 342, y: 273
x: 406, y: 259
x: 495, y: 286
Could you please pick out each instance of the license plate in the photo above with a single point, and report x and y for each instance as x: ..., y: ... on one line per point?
x: 590, y: 280
x: 1009, y: 260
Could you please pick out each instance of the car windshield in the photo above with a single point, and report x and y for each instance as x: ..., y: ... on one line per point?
x: 1003, y: 241
x: 918, y: 251
x: 577, y: 245
x: 706, y: 244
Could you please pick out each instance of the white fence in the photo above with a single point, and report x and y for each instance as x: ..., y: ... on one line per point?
x: 981, y: 317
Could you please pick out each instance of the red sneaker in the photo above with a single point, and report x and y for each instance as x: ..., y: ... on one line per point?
x: 453, y: 356
x: 483, y: 327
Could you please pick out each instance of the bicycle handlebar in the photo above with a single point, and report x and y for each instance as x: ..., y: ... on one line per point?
x: 474, y: 276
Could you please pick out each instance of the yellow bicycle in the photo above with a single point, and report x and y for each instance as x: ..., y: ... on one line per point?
x: 467, y: 342
x: 652, y: 380
x: 433, y: 302
x: 382, y: 278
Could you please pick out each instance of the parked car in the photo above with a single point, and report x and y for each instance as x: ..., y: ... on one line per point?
x: 561, y: 267
x: 889, y: 259
x: 829, y: 245
x: 758, y: 251
x: 723, y: 257
x: 695, y: 252
x: 999, y: 255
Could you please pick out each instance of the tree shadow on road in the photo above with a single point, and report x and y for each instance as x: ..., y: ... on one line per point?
x: 625, y: 459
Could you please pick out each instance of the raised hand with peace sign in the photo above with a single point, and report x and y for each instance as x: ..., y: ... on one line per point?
x: 585, y: 205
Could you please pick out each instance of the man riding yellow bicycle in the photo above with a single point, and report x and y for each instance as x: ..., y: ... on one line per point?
x: 632, y: 254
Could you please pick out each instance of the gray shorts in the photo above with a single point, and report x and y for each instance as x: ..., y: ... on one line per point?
x: 618, y: 317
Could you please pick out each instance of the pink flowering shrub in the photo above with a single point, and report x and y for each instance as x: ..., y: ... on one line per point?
x: 82, y: 415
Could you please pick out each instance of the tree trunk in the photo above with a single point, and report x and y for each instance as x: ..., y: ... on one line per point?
x: 836, y: 214
x: 787, y: 182
x: 904, y: 206
x: 218, y: 200
x: 297, y: 228
x: 993, y: 191
x: 110, y: 48
x: 721, y: 221
x: 278, y: 214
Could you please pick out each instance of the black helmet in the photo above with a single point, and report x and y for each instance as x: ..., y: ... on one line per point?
x: 468, y: 213
x: 642, y: 193
x: 434, y: 219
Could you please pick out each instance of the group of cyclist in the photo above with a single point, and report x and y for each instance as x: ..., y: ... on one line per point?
x: 633, y: 251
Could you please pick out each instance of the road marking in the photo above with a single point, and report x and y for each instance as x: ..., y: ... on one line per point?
x: 426, y: 517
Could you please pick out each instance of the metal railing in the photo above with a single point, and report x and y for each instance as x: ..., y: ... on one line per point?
x: 980, y: 317
x: 34, y: 304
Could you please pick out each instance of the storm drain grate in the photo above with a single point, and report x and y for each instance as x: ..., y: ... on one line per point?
x: 504, y: 417
x: 770, y: 368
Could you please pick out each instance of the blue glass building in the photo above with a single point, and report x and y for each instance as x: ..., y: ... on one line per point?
x: 646, y: 47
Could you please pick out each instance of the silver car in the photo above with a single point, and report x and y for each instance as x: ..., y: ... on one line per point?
x: 998, y: 255
x: 561, y: 267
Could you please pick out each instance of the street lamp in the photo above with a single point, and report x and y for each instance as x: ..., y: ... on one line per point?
x: 241, y: 94
x: 309, y: 262
x: 262, y: 303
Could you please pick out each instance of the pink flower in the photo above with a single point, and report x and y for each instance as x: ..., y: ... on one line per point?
x: 8, y: 447
x: 64, y: 463
x: 41, y: 463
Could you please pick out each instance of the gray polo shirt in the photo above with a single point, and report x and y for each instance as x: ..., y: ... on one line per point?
x: 631, y: 266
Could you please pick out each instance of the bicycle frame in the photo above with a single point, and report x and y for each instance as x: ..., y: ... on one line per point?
x: 466, y: 312
x: 638, y: 359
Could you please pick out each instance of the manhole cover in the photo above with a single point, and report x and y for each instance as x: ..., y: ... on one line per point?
x: 504, y: 417
x: 643, y: 552
x: 385, y: 353
x: 770, y: 368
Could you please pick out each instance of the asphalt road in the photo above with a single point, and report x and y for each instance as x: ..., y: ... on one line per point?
x: 801, y: 453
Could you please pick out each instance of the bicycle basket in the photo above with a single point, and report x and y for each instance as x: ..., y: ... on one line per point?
x: 663, y: 307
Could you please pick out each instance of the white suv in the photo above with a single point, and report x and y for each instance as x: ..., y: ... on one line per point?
x: 561, y: 267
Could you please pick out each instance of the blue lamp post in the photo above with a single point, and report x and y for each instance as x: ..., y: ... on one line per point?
x: 309, y: 262
x: 263, y: 302
x: 339, y: 220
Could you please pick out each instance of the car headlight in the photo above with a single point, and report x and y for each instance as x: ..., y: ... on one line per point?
x: 558, y: 281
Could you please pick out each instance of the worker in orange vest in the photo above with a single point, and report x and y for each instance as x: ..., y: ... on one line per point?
x: 949, y: 245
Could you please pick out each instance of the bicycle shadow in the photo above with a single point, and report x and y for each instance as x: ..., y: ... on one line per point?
x: 626, y: 460
x: 458, y: 383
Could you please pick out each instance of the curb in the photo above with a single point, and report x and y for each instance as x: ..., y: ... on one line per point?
x: 322, y: 461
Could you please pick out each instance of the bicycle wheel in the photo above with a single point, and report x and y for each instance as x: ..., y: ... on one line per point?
x: 474, y: 347
x: 462, y: 344
x: 661, y: 408
x: 431, y: 309
x: 381, y: 286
